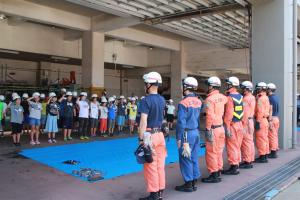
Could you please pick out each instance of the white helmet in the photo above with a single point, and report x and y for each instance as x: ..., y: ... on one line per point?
x: 16, y: 97
x: 133, y: 99
x: 114, y: 96
x: 83, y: 94
x: 52, y: 94
x: 25, y: 95
x: 261, y: 85
x: 122, y: 97
x: 247, y: 85
x: 103, y: 100
x: 152, y: 77
x: 63, y: 90
x: 190, y: 83
x: 111, y: 99
x: 142, y: 97
x: 136, y: 97
x: 14, y: 94
x: 213, y: 81
x: 43, y: 96
x: 70, y: 93
x: 271, y: 86
x: 2, y: 98
x: 74, y: 93
x: 171, y: 100
x: 234, y: 81
x: 36, y: 94
x: 94, y: 96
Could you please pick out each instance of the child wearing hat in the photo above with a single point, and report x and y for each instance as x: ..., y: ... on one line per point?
x: 35, y: 112
x: 69, y: 113
x: 52, y: 117
x: 16, y: 119
x: 3, y: 107
x: 132, y: 112
x: 112, y: 109
x: 44, y: 112
x: 103, y: 117
x: 94, y: 114
x: 25, y: 106
x: 83, y: 118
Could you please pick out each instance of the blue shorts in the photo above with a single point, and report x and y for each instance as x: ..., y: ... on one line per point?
x: 121, y: 120
x: 26, y: 119
x: 51, y: 124
x: 67, y: 122
x: 34, y: 121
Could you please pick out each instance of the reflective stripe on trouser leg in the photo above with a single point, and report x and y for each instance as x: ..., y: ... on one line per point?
x: 233, y: 144
x: 273, y: 135
x: 214, y: 151
x: 189, y: 167
x: 261, y: 135
x: 155, y: 172
x: 248, y: 151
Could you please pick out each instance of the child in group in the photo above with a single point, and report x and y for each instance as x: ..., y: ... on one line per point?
x: 76, y: 117
x: 103, y: 117
x: 94, y: 114
x: 3, y: 107
x: 35, y: 112
x: 25, y: 106
x: 121, y: 114
x: 52, y: 117
x: 112, y: 109
x: 44, y: 112
x: 83, y: 118
x: 16, y: 119
x: 170, y: 114
x: 132, y: 114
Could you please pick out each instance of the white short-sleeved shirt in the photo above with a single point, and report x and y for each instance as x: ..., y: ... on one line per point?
x: 171, y: 109
x: 83, y: 109
x: 94, y: 111
x: 103, y: 112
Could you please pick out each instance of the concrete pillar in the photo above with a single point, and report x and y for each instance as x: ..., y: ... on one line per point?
x: 93, y: 62
x: 272, y: 55
x: 177, y: 73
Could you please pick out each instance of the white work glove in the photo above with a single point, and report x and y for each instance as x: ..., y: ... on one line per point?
x: 186, y: 150
x: 148, y: 140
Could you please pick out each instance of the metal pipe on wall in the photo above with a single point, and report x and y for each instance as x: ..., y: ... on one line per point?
x: 295, y: 17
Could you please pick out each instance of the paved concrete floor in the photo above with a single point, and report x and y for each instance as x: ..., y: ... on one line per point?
x: 291, y: 193
x: 26, y: 179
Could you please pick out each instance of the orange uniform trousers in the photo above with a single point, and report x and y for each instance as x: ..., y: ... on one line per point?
x: 234, y: 143
x: 155, y: 172
x: 262, y: 140
x: 214, y: 150
x: 248, y: 149
x: 273, y: 134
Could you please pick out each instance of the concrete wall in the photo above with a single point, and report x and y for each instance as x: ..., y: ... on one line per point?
x: 37, y: 39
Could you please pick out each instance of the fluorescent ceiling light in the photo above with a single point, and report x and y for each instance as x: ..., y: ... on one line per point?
x: 8, y: 51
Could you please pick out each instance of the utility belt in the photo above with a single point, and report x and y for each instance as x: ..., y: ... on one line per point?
x: 154, y: 130
x: 216, y: 126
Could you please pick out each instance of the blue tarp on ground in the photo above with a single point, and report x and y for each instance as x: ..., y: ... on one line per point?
x: 112, y: 157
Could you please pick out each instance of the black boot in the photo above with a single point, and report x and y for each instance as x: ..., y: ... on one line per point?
x: 194, y: 182
x: 246, y: 165
x: 261, y: 159
x: 186, y: 187
x: 218, y: 173
x: 152, y: 196
x: 213, y: 178
x: 160, y: 194
x: 233, y: 170
x: 273, y: 154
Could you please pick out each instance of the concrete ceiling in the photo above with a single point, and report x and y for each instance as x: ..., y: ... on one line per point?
x: 218, y: 21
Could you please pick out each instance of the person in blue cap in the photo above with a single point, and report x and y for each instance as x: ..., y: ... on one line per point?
x: 187, y: 135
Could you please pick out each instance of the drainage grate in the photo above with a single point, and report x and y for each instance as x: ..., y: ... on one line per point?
x: 257, y: 189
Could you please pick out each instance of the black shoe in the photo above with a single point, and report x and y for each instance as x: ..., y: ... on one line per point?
x: 233, y: 170
x: 218, y: 173
x: 246, y: 165
x: 152, y: 196
x: 18, y: 144
x: 261, y: 159
x: 15, y: 144
x: 160, y: 194
x: 213, y: 178
x: 187, y: 187
x: 194, y: 182
x: 273, y: 155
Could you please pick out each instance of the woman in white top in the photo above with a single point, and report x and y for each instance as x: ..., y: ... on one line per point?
x: 170, y: 114
x: 94, y: 114
x: 83, y: 115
